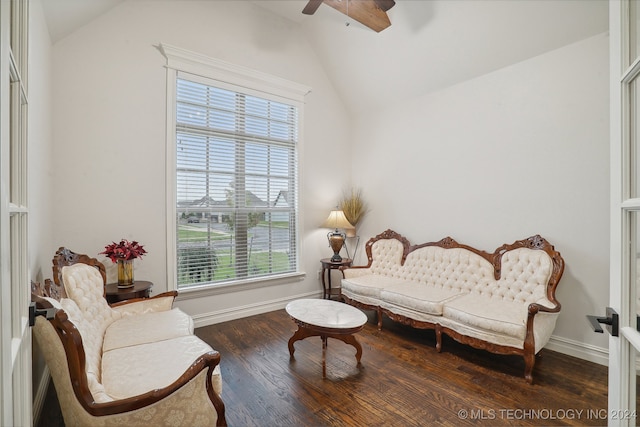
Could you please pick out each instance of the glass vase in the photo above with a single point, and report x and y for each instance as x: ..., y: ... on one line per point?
x: 125, y: 273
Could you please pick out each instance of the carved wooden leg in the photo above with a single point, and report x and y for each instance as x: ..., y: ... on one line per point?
x: 529, y: 350
x: 529, y: 362
x: 304, y: 332
x: 379, y: 312
x: 351, y: 340
x: 438, y: 338
x: 298, y: 335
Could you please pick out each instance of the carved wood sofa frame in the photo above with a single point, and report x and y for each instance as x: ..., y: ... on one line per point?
x: 65, y: 257
x: 495, y: 258
x: 72, y: 343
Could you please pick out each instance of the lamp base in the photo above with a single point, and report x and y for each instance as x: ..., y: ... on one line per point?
x: 336, y: 240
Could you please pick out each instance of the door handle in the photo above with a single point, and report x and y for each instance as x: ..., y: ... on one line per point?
x: 611, y: 322
x: 48, y: 313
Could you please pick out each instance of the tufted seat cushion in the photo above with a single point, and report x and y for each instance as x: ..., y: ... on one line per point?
x: 369, y: 285
x: 133, y: 370
x: 422, y: 298
x: 501, y: 317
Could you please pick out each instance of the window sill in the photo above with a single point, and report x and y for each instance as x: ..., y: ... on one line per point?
x: 238, y: 285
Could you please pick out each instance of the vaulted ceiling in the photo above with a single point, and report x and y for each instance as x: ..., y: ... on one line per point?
x: 431, y: 44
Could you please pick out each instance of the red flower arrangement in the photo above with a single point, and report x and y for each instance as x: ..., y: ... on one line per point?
x: 124, y: 250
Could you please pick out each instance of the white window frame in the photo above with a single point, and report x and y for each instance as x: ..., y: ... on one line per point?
x: 254, y: 83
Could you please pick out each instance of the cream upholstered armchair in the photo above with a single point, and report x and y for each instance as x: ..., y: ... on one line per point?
x: 137, y: 363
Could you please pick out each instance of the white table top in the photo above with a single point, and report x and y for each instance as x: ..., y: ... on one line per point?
x: 326, y: 313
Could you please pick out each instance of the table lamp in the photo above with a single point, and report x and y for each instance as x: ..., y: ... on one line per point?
x: 336, y: 220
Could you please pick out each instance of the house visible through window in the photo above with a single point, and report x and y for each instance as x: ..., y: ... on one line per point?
x: 236, y: 189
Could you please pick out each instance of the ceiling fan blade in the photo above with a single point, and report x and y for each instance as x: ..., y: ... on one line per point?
x: 385, y: 5
x: 367, y: 13
x: 311, y: 7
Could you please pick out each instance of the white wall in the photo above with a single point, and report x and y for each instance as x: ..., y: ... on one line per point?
x: 109, y: 132
x: 520, y: 151
x: 40, y: 148
x: 41, y: 245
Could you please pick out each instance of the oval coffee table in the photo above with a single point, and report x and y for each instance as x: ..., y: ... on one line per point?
x: 326, y: 319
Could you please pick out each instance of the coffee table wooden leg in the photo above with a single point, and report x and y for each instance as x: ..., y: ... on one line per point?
x: 351, y: 340
x: 298, y: 335
x: 302, y: 333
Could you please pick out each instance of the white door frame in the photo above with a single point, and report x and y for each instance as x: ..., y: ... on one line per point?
x: 15, y: 333
x: 624, y: 217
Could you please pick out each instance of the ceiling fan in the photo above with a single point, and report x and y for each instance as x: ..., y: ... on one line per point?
x: 372, y: 13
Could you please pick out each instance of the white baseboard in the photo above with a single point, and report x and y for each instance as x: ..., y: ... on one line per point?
x: 580, y: 350
x: 212, y: 318
x: 41, y: 394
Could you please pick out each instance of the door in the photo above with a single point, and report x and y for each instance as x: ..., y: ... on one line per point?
x: 15, y: 334
x: 624, y: 35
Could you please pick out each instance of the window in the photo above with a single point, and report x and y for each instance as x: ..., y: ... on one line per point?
x: 234, y: 180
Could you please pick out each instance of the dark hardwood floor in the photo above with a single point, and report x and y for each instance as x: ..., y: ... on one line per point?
x: 402, y: 381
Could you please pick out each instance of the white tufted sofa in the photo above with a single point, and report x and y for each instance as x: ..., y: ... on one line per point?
x: 503, y: 302
x: 137, y: 363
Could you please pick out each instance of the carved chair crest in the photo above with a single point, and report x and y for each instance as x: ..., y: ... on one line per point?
x: 64, y: 257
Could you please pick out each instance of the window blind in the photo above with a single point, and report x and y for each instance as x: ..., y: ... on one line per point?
x: 235, y: 184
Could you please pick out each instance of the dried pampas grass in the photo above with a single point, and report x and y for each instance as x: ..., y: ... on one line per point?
x: 353, y: 206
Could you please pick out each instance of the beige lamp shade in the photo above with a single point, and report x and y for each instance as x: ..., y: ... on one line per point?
x: 337, y: 220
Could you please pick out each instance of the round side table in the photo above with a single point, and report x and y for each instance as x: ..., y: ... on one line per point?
x: 328, y: 265
x: 140, y: 289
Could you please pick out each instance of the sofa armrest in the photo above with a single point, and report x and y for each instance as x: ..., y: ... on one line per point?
x: 536, y: 307
x: 535, y: 336
x: 160, y: 302
x: 358, y: 271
